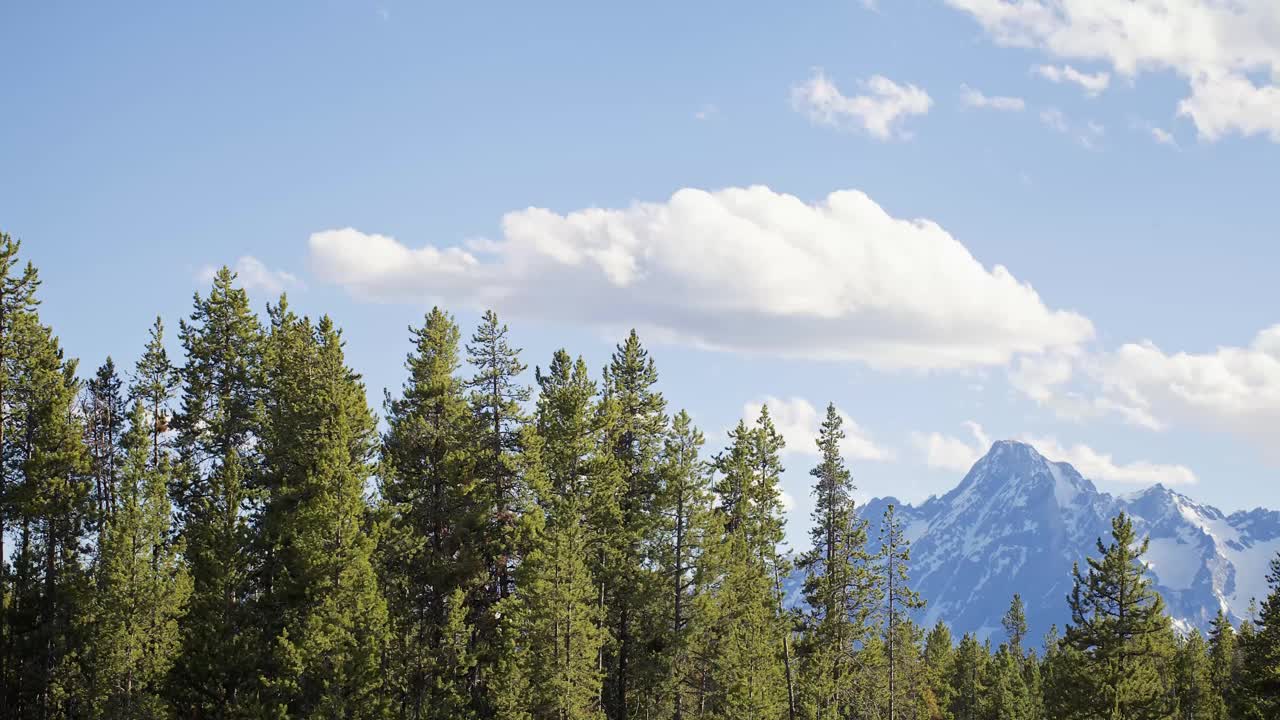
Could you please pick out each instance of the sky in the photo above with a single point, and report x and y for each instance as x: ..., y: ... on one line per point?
x: 958, y: 220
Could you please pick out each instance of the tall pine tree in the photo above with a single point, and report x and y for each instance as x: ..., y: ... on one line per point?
x: 1119, y: 626
x: 321, y: 608
x: 218, y: 430
x: 430, y: 564
x: 839, y: 588
x: 143, y: 586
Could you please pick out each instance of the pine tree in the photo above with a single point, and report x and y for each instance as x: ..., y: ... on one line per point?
x: 17, y: 312
x: 899, y: 601
x: 1260, y: 671
x: 579, y: 461
x: 104, y: 410
x: 634, y: 426
x: 52, y: 511
x: 429, y: 562
x: 685, y: 531
x: 1241, y: 702
x: 969, y: 678
x: 217, y: 433
x: 840, y: 589
x: 939, y: 667
x: 765, y: 530
x: 320, y: 607
x: 559, y: 621
x: 1061, y: 678
x: 496, y: 402
x: 747, y: 677
x: 1192, y: 677
x: 1223, y: 665
x: 143, y: 586
x: 155, y: 382
x: 1119, y: 625
x: 1014, y: 623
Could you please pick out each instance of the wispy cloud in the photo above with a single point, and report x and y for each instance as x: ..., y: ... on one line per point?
x: 880, y: 111
x: 798, y: 422
x: 976, y: 99
x: 253, y: 274
x: 1092, y: 83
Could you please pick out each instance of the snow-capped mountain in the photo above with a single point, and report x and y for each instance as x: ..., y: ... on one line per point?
x: 1018, y: 521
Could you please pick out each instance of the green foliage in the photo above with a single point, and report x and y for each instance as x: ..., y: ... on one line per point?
x: 840, y: 587
x: 1259, y: 686
x: 633, y: 423
x: 217, y: 431
x: 142, y: 586
x: 898, y: 602
x: 323, y: 616
x: 263, y: 553
x: 430, y: 561
x: 1120, y: 628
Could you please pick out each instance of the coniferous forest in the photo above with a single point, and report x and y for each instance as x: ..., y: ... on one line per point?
x: 232, y: 531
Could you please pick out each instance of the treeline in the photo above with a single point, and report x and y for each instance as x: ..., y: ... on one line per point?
x: 228, y: 534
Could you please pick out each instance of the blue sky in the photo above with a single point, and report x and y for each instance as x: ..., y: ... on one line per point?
x: 587, y: 167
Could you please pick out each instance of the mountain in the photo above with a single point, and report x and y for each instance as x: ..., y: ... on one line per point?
x: 1018, y: 521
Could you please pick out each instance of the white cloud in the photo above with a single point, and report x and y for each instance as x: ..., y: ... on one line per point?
x: 706, y: 112
x: 1091, y: 83
x: 1163, y: 137
x: 1233, y: 389
x: 1220, y: 47
x: 1236, y: 388
x: 740, y: 269
x: 948, y: 452
x: 976, y: 99
x: 798, y: 421
x: 1100, y: 466
x: 880, y: 112
x: 253, y: 274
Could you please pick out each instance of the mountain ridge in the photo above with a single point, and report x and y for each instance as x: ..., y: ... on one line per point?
x: 1017, y: 522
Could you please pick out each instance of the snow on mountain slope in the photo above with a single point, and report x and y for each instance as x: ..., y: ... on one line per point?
x: 1017, y: 522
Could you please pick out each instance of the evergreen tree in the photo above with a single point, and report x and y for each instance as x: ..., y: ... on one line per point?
x: 103, y: 408
x: 684, y: 533
x: 1223, y: 666
x: 155, y: 382
x: 969, y: 678
x: 1061, y: 678
x: 17, y: 316
x: 496, y: 402
x: 840, y: 588
x: 51, y: 509
x: 323, y: 615
x: 1007, y: 695
x: 747, y: 677
x: 635, y: 425
x: 1119, y: 626
x: 560, y: 632
x: 1260, y: 671
x: 898, y: 600
x: 1015, y: 624
x: 429, y: 562
x: 142, y: 589
x: 551, y: 667
x: 1192, y: 677
x: 765, y: 530
x: 217, y: 434
x: 939, y: 668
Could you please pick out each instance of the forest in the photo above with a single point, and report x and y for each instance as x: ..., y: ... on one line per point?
x: 234, y: 532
